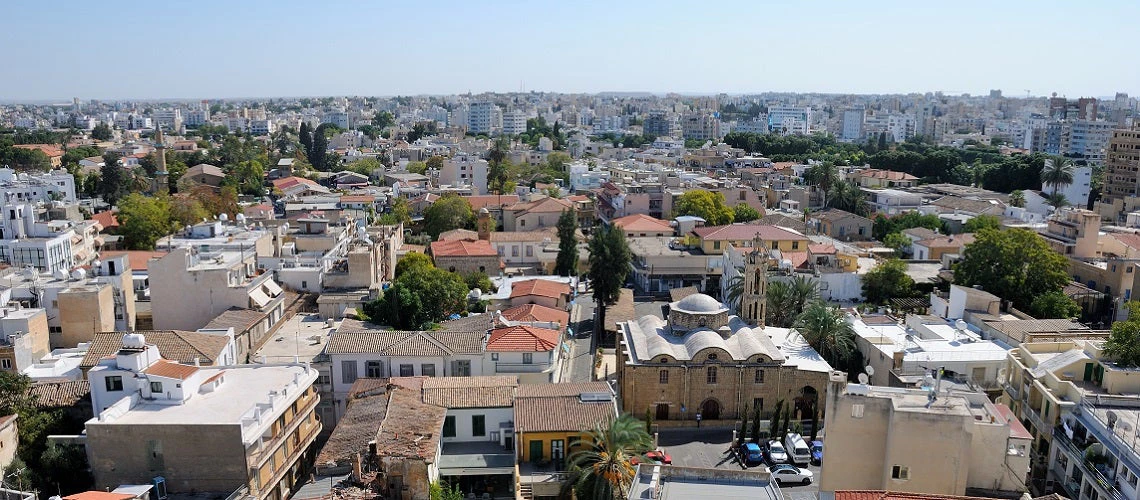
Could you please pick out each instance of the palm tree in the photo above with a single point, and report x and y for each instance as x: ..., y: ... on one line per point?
x: 787, y: 299
x: 847, y: 196
x: 824, y: 176
x: 603, y: 466
x: 1058, y: 170
x: 1056, y: 200
x: 826, y: 329
x: 735, y: 289
x: 1017, y: 198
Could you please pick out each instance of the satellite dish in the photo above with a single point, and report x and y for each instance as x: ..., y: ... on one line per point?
x: 1112, y: 418
x: 864, y: 379
x: 960, y: 325
x: 870, y: 370
x: 1001, y: 375
x: 1127, y: 427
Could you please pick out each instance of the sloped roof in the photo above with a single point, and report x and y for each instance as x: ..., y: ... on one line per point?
x: 174, y: 345
x: 522, y: 338
x: 642, y: 222
x: 545, y: 205
x: 470, y: 392
x: 539, y: 287
x: 895, y: 495
x: 651, y: 336
x: 411, y: 428
x: 237, y: 318
x: 358, y: 426
x: 559, y: 407
x: 405, y: 343
x: 954, y: 241
x: 167, y: 369
x: 739, y: 232
x: 463, y: 248
x: 106, y: 218
x: 458, y: 234
x: 891, y: 175
x: 205, y: 169
x: 60, y: 394
x: 491, y: 201
x: 536, y: 312
x: 98, y: 495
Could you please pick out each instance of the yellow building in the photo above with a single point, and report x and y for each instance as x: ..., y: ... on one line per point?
x: 714, y: 239
x: 551, y: 418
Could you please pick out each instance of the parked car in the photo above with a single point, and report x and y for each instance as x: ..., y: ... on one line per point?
x: 775, y: 452
x: 797, y: 449
x: 657, y: 456
x: 790, y: 474
x: 751, y: 454
x: 817, y: 452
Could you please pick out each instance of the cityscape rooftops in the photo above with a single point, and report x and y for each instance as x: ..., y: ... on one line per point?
x: 523, y: 338
x: 675, y: 482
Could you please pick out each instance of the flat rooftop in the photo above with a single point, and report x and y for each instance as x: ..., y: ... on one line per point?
x: 938, y: 342
x: 678, y: 483
x: 303, y: 337
x: 245, y: 388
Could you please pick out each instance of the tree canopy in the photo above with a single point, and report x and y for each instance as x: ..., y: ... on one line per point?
x: 888, y: 280
x: 418, y: 297
x: 1014, y: 264
x: 449, y: 212
x: 1123, y: 345
x: 143, y: 220
x: 566, y: 264
x: 707, y: 205
x: 982, y: 222
x: 744, y: 212
x: 609, y: 266
x: 883, y: 225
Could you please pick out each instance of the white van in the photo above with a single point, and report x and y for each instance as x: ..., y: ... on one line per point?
x: 798, y: 450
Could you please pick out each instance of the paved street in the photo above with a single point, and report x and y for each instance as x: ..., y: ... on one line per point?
x: 581, y: 361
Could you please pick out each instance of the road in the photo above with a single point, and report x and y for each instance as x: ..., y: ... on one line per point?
x: 581, y: 363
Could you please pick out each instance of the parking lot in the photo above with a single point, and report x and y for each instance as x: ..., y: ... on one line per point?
x: 707, y: 447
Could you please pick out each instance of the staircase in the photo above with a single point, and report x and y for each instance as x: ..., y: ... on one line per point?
x: 524, y: 492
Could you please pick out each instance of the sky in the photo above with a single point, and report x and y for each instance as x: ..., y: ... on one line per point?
x: 56, y: 49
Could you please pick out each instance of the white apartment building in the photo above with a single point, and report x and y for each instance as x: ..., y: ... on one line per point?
x: 168, y: 118
x: 340, y: 118
x: 191, y: 286
x: 262, y: 127
x: 31, y: 187
x: 482, y: 118
x: 514, y: 122
x: 1076, y: 193
x: 465, y: 170
x: 789, y: 119
x: 853, y: 119
x: 197, y: 117
x: 702, y: 127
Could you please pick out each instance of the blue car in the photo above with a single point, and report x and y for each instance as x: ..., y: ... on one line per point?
x: 817, y: 452
x: 751, y: 455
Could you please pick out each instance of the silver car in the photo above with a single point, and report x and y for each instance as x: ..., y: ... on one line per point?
x: 775, y: 453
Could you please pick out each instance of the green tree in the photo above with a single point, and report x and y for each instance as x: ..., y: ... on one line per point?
x: 439, y: 491
x: 419, y: 297
x: 883, y: 225
x: 143, y: 220
x: 557, y: 161
x: 1123, y: 345
x: 318, y: 154
x: 383, y: 120
x: 399, y: 213
x: 826, y: 329
x: 744, y: 212
x: 479, y: 280
x: 364, y: 166
x: 1017, y: 198
x: 787, y: 299
x: 774, y: 423
x: 417, y: 167
x: 566, y: 264
x: 102, y: 132
x: 888, y: 280
x: 435, y: 163
x: 112, y: 179
x: 898, y: 242
x: 449, y: 212
x: 1056, y: 200
x: 755, y: 422
x: 823, y: 176
x: 1058, y: 170
x: 1054, y: 305
x: 982, y: 222
x: 707, y: 205
x: 305, y: 137
x: 412, y: 261
x: 1014, y: 264
x: 609, y: 266
x: 187, y: 210
x: 602, y: 467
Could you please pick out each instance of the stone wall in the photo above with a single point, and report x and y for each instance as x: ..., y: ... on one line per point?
x: 688, y: 321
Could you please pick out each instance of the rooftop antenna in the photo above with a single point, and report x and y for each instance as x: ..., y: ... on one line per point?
x: 932, y: 396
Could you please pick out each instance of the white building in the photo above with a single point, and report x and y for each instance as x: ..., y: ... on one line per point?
x: 481, y: 117
x: 789, y: 119
x: 31, y: 187
x: 1076, y: 193
x: 514, y: 122
x: 262, y: 127
x: 465, y: 170
x: 853, y: 124
x: 340, y: 118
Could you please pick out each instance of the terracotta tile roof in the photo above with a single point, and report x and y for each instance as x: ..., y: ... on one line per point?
x: 238, y: 319
x: 99, y: 495
x: 106, y: 218
x: 559, y: 407
x: 405, y: 343
x: 411, y: 428
x: 463, y: 248
x: 491, y: 201
x: 545, y: 205
x: 642, y: 222
x: 470, y: 392
x: 539, y: 287
x: 798, y: 259
x: 48, y: 149
x: 538, y: 235
x: 5, y: 420
x: 954, y: 241
x: 835, y: 214
x: 522, y: 338
x: 289, y: 182
x: 138, y: 259
x: 458, y: 234
x: 895, y: 495
x: 1016, y: 429
x: 168, y: 369
x: 822, y: 249
x: 174, y: 345
x: 359, y: 425
x: 740, y: 232
x: 60, y: 394
x: 357, y: 198
x: 536, y: 312
x: 889, y: 175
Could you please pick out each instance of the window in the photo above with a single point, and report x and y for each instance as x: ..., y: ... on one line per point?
x: 449, y: 427
x: 324, y: 380
x: 900, y: 472
x: 710, y: 375
x: 716, y: 245
x: 514, y: 251
x: 6, y: 364
x: 114, y: 383
x: 156, y: 387
x: 758, y: 403
x: 712, y: 357
x: 348, y: 371
x: 373, y: 369
x: 427, y: 370
x: 856, y: 411
x: 759, y: 377
x: 795, y: 245
x: 407, y: 370
x: 528, y: 358
x: 663, y: 376
x: 461, y: 368
x: 478, y: 425
x: 494, y: 356
x: 775, y: 245
x: 529, y: 251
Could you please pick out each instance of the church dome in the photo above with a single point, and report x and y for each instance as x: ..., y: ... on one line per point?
x: 699, y: 303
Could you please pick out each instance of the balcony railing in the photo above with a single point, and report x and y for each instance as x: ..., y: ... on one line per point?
x: 1078, y: 456
x: 1012, y: 391
x: 521, y: 367
x: 1035, y: 419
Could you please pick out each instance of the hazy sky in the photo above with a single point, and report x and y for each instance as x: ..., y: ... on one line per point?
x: 247, y: 48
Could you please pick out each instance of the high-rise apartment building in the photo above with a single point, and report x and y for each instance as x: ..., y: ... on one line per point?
x: 852, y: 124
x: 1122, y: 163
x: 481, y: 117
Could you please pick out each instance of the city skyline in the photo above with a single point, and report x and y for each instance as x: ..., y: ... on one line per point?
x: 157, y: 51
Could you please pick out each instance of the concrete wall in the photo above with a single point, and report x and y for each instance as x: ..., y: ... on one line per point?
x: 192, y: 458
x: 9, y: 440
x: 463, y: 422
x: 85, y: 311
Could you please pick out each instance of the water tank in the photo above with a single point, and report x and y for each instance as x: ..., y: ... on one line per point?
x: 134, y: 341
x: 78, y: 274
x: 224, y: 217
x: 240, y: 218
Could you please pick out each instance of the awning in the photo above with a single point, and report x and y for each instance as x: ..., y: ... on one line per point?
x: 476, y: 471
x: 272, y: 288
x: 259, y: 298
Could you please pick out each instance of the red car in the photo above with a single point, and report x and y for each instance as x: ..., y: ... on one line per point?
x: 655, y: 456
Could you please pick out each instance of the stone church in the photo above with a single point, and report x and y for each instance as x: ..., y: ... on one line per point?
x: 702, y: 359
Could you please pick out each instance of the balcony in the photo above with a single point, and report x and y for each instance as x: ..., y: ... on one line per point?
x: 521, y: 367
x: 1035, y: 419
x: 1013, y: 392
x: 1079, y: 456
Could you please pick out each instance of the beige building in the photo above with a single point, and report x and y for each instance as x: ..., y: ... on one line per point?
x: 84, y: 310
x: 906, y: 441
x: 841, y: 225
x: 189, y: 287
x: 707, y: 361
x: 9, y: 440
x: 221, y: 430
x: 24, y: 337
x: 1073, y: 233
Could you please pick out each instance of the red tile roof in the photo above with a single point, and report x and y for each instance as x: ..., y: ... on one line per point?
x: 138, y: 259
x: 99, y: 495
x: 1016, y: 429
x: 890, y: 175
x: 491, y: 201
x: 522, y: 339
x: 462, y: 248
x: 822, y: 248
x: 536, y: 312
x: 895, y: 495
x: 539, y: 287
x: 1128, y: 239
x: 168, y: 369
x: 289, y: 182
x: 644, y: 223
x: 48, y: 149
x: 955, y: 241
x: 106, y: 219
x: 741, y: 232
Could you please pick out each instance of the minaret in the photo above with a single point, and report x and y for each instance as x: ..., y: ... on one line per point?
x: 161, y: 181
x: 754, y: 301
